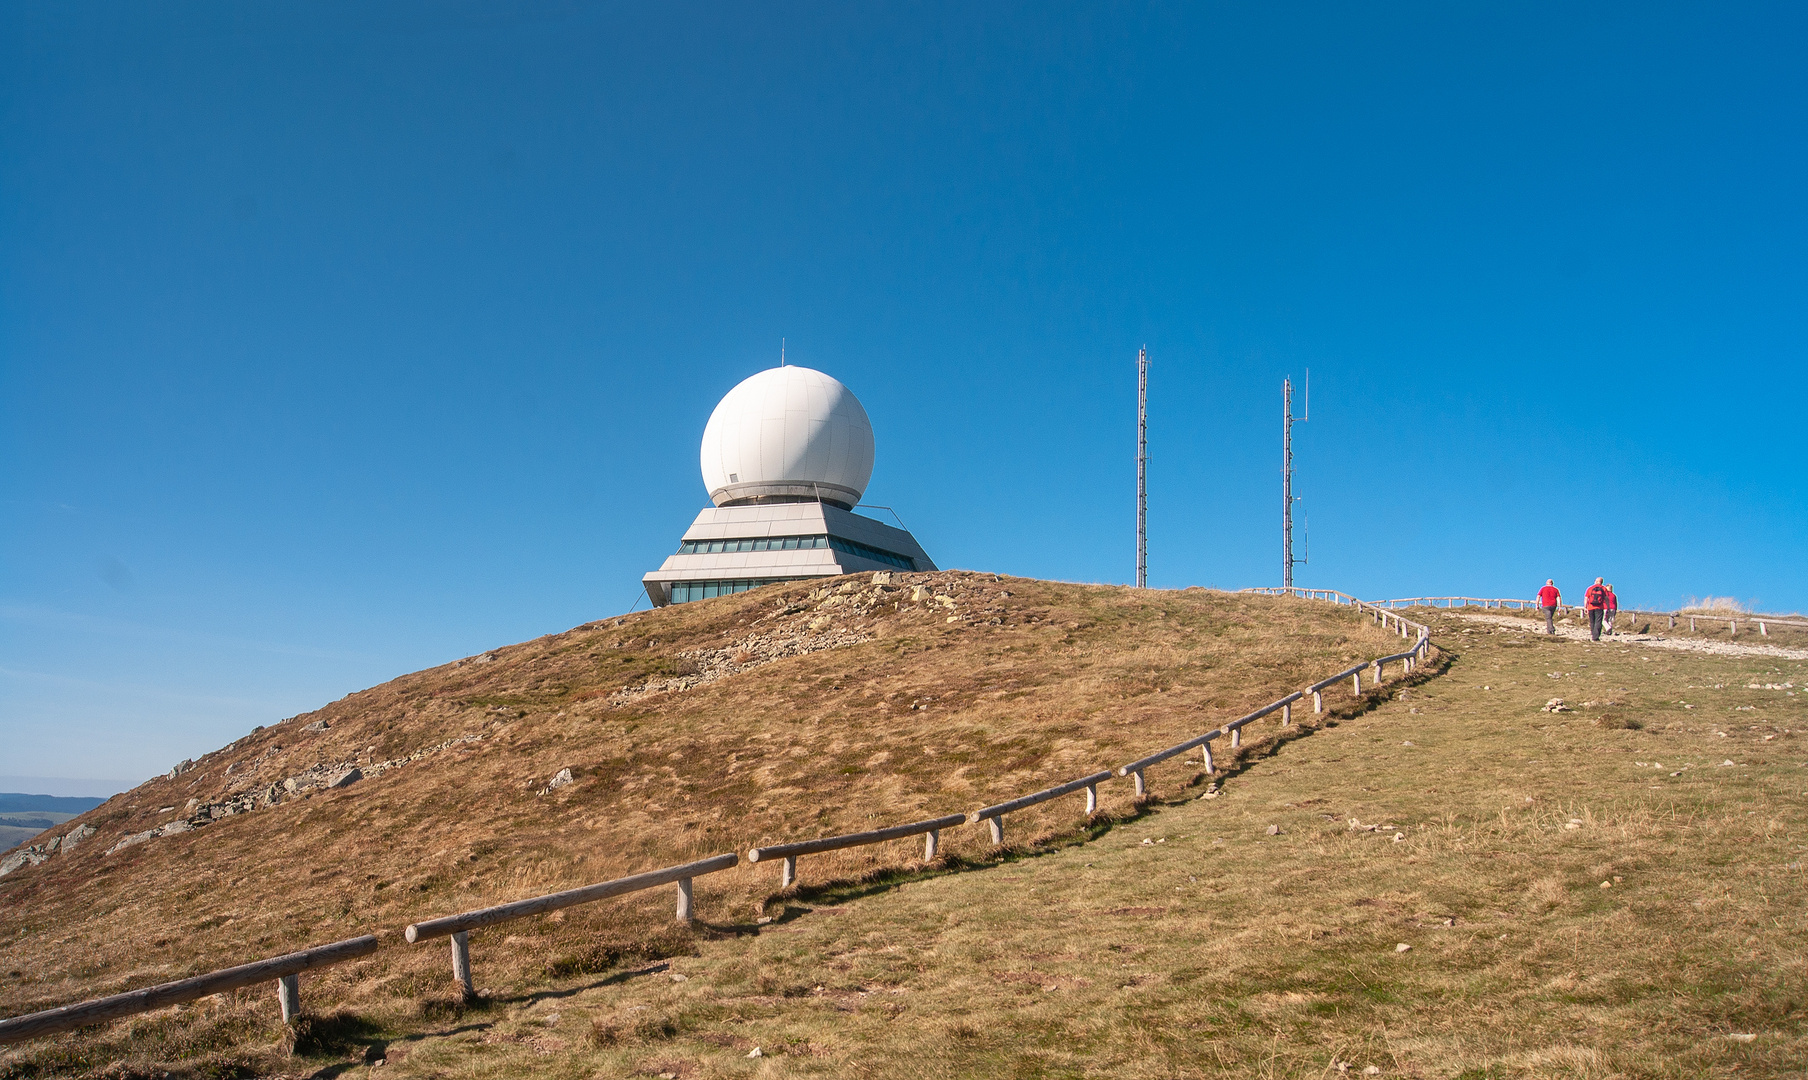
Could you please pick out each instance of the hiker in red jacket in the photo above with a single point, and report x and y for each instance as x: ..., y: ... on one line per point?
x: 1613, y: 608
x: 1548, y: 599
x: 1595, y: 601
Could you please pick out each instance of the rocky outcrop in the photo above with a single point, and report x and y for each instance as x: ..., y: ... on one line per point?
x: 828, y: 618
x: 39, y: 853
x: 325, y: 776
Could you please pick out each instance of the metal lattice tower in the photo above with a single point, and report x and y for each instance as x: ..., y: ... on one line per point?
x: 1142, y: 467
x: 1287, y: 500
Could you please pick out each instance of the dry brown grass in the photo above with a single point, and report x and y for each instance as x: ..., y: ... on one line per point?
x: 1193, y: 942
x: 1025, y: 684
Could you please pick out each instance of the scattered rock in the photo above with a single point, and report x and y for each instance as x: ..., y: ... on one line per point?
x: 1407, y: 743
x: 318, y: 725
x: 882, y: 577
x: 1372, y: 1070
x: 127, y: 841
x: 1606, y: 884
x: 762, y: 920
x: 1403, y: 947
x: 677, y: 977
x: 560, y: 779
x: 1556, y: 705
x: 1742, y: 1037
x: 186, y: 765
x: 346, y: 778
x: 75, y: 836
x: 756, y: 1052
x: 1274, y: 830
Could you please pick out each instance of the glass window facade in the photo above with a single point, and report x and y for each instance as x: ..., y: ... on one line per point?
x: 764, y: 543
x: 683, y: 591
x: 795, y: 543
x: 865, y: 551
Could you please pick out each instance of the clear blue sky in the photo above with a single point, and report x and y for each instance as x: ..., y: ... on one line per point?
x: 340, y: 340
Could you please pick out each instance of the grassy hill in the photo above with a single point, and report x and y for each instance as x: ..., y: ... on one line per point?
x: 1453, y: 883
x: 785, y: 713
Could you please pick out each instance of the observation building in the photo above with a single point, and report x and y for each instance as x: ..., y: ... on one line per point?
x: 786, y: 457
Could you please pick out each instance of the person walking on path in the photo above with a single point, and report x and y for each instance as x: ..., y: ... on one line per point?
x: 1548, y: 599
x: 1595, y: 601
x: 1613, y: 608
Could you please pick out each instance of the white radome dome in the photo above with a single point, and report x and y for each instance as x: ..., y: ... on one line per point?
x: 788, y: 432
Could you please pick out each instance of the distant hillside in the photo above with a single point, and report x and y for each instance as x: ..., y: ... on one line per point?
x: 12, y: 802
x: 25, y: 816
x: 788, y: 712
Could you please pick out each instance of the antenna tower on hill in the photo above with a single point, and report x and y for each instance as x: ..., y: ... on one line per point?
x: 1142, y: 467
x: 1287, y: 500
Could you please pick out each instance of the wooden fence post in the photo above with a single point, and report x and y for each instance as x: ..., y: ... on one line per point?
x: 1206, y: 751
x: 1092, y: 798
x: 1236, y: 737
x: 685, y: 898
x: 461, y: 962
x: 1141, y: 788
x: 1672, y: 622
x: 1318, y: 702
x: 1375, y: 670
x: 930, y: 839
x: 1732, y: 627
x: 288, y: 996
x: 1691, y: 624
x: 1761, y: 630
x: 997, y: 824
x: 1287, y: 714
x: 1356, y: 683
x: 787, y: 875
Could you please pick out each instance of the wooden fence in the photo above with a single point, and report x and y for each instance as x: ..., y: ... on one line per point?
x: 281, y: 969
x: 458, y: 927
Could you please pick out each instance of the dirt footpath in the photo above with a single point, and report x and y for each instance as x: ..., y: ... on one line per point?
x: 1657, y: 641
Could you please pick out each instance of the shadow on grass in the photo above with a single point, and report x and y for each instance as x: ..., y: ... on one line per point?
x: 1239, y: 761
x: 1235, y: 763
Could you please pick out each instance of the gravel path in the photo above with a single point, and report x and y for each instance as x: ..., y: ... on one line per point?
x: 1656, y: 641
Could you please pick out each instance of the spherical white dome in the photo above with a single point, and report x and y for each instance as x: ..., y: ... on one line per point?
x: 788, y: 432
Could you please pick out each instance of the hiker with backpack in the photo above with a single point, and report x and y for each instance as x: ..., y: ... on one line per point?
x: 1548, y: 599
x: 1613, y: 608
x: 1595, y: 602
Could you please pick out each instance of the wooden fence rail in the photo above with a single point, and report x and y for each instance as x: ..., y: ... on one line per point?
x: 457, y: 927
x: 930, y: 829
x: 994, y: 815
x: 282, y: 969
x: 460, y: 926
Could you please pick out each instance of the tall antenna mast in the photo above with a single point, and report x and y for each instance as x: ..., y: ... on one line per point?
x: 781, y: 352
x: 1287, y: 499
x: 1142, y: 467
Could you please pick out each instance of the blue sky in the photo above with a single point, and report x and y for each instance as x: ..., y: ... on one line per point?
x: 340, y: 340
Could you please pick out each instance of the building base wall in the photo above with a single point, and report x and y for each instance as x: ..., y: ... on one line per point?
x: 733, y: 548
